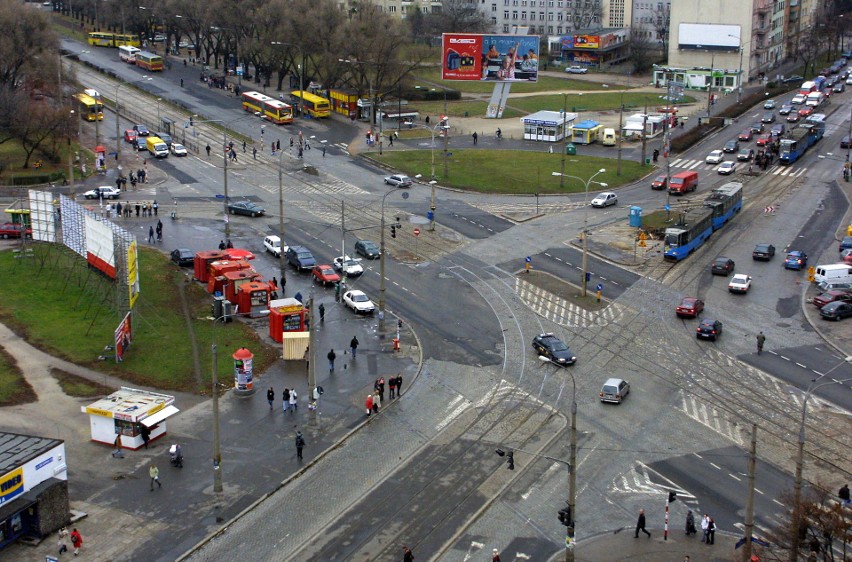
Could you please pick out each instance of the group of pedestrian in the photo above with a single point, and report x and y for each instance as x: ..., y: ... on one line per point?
x: 373, y: 403
x: 158, y: 230
x: 76, y: 541
x: 708, y: 530
x: 289, y: 399
x: 142, y: 208
x: 223, y: 245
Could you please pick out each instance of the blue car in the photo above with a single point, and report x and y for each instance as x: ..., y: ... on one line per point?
x: 796, y: 260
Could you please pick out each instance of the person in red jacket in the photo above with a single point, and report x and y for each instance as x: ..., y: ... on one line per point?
x: 77, y: 541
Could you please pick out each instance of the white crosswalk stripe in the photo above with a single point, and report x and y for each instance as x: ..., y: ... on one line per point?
x: 563, y: 312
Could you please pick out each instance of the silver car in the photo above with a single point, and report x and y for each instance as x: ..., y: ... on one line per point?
x: 398, y: 180
x: 614, y: 390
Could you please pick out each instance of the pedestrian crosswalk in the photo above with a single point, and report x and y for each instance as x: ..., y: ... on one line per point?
x: 775, y: 170
x: 561, y: 311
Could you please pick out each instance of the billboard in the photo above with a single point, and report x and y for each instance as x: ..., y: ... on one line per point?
x: 42, y: 216
x: 123, y: 337
x: 497, y: 58
x: 100, y: 249
x: 708, y: 37
x: 132, y: 273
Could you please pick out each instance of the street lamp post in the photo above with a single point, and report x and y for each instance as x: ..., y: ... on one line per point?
x: 433, y: 180
x: 710, y: 85
x: 800, y: 453
x: 584, y: 280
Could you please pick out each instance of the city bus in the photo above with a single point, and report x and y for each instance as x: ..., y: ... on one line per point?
x: 316, y: 106
x: 149, y: 61
x: 127, y: 39
x: 269, y: 108
x: 91, y: 108
x: 101, y: 39
x: 127, y: 53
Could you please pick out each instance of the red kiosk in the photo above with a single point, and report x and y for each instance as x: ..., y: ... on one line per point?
x: 201, y: 267
x: 217, y: 271
x: 235, y: 279
x: 253, y: 298
x: 286, y: 315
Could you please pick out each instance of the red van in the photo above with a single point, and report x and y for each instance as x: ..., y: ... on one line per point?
x: 683, y: 182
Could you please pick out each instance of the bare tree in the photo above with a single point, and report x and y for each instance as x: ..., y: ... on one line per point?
x: 587, y: 14
x: 36, y: 123
x: 459, y: 16
x: 662, y: 22
x: 644, y: 50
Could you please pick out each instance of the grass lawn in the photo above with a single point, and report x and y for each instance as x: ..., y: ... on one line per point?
x: 432, y: 75
x: 12, y: 157
x: 13, y: 388
x: 488, y: 171
x: 58, y: 304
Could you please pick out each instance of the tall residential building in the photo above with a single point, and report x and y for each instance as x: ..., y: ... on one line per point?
x: 650, y: 19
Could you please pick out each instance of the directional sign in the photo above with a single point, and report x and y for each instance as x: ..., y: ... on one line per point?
x: 416, y: 232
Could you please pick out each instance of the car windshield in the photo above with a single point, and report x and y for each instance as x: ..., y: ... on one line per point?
x: 304, y: 255
x: 370, y: 247
x: 722, y: 262
x: 557, y: 345
x: 610, y: 390
x: 360, y: 298
x: 762, y: 248
x: 327, y: 271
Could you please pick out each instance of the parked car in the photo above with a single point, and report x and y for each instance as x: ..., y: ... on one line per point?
x: 369, y: 250
x: 103, y: 192
x: 769, y: 104
x: 722, y: 266
x: 793, y: 79
x: 727, y: 168
x: 605, y: 199
x: 731, y: 146
x: 272, y: 244
x: 836, y: 310
x: 358, y: 302
x: 796, y: 259
x: 786, y: 109
x: 548, y: 345
x: 715, y: 157
x: 301, y: 258
x: 763, y: 252
x: 745, y: 154
x: 12, y: 230
x: 184, y: 257
x: 576, y: 69
x: 830, y: 285
x: 689, y: 307
x: 398, y: 180
x: 746, y: 135
x: 178, y: 149
x: 739, y: 283
x: 709, y: 329
x: 246, y: 208
x: 834, y: 295
x: 324, y: 274
x: 614, y: 390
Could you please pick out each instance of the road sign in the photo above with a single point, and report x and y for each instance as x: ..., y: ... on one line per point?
x: 528, y: 259
x: 600, y: 287
x: 416, y: 232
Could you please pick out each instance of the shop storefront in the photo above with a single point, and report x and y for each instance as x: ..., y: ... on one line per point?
x: 125, y: 412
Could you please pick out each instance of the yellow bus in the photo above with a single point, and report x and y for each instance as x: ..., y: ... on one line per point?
x: 100, y: 39
x: 149, y: 61
x: 315, y: 106
x: 91, y: 108
x: 269, y: 108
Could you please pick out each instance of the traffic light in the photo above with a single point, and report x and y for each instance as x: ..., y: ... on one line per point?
x: 672, y: 497
x: 510, y: 460
x: 393, y: 231
x: 565, y: 516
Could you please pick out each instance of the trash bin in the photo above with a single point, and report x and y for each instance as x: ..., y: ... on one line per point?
x: 647, y: 161
x: 570, y: 149
x: 635, y: 216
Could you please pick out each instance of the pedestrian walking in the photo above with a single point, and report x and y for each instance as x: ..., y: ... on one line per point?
x: 337, y: 292
x: 475, y: 138
x: 60, y: 543
x: 711, y: 531
x: 154, y: 473
x: 294, y: 400
x: 138, y: 207
x: 150, y: 234
x: 381, y: 388
x: 640, y: 525
x: 390, y: 140
x: 843, y: 493
x: 229, y: 244
x: 301, y: 152
x: 705, y: 524
x: 270, y: 397
x: 155, y: 206
x: 407, y: 555
x: 118, y: 210
x: 300, y: 443
x: 207, y: 148
x: 76, y: 541
x: 285, y: 399
x: 244, y: 146
x: 308, y: 144
x: 353, y: 346
x: 117, y: 454
x: 181, y: 80
x: 159, y: 231
x: 495, y: 554
x: 254, y: 152
x: 690, y: 524
x: 399, y: 385
x: 322, y: 312
x: 377, y: 401
x: 761, y: 339
x: 323, y: 151
x: 392, y: 385
x: 331, y: 357
x: 369, y: 404
x: 146, y: 434
x: 144, y: 209
x: 221, y: 245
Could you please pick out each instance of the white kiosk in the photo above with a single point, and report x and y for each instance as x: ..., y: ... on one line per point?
x: 125, y: 412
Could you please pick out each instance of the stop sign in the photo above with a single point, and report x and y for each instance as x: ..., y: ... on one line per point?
x: 416, y: 232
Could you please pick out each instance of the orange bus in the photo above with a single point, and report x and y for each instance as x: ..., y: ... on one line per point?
x: 268, y: 108
x: 149, y: 61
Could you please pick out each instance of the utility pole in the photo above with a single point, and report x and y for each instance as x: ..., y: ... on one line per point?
x: 564, y: 139
x: 446, y: 138
x: 749, y: 514
x: 620, y: 129
x: 644, y: 133
x: 282, y: 270
x: 312, y: 354
x: 343, y: 266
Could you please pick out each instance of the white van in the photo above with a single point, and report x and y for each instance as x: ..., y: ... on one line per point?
x: 608, y: 137
x: 834, y: 273
x: 815, y: 99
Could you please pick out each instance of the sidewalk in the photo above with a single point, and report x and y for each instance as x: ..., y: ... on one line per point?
x: 621, y: 545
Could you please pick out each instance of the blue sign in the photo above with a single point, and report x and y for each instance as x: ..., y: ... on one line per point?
x: 667, y: 207
x: 430, y: 215
x: 528, y: 259
x: 600, y: 287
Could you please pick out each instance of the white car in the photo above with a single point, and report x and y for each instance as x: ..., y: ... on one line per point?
x: 178, y: 149
x: 727, y: 168
x: 353, y: 266
x: 576, y: 69
x: 272, y: 244
x: 740, y: 283
x: 798, y: 99
x: 104, y: 191
x: 605, y: 199
x: 359, y: 302
x: 770, y: 104
x: 398, y: 180
x: 715, y: 157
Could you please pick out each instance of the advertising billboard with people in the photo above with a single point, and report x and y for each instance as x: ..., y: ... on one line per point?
x: 497, y: 58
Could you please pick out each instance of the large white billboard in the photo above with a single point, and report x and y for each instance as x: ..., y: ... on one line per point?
x: 42, y: 216
x: 100, y: 248
x: 709, y: 37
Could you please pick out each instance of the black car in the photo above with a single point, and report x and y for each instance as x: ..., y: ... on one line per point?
x: 709, y: 328
x: 246, y: 208
x: 184, y: 257
x: 837, y: 310
x: 368, y: 249
x: 778, y: 129
x: 722, y: 266
x: 763, y: 252
x: 165, y: 137
x: 768, y: 117
x: 844, y: 142
x: 548, y: 345
x: 757, y: 127
x: 141, y: 143
x: 141, y: 130
x: 785, y: 109
x: 731, y: 146
x: 839, y: 87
